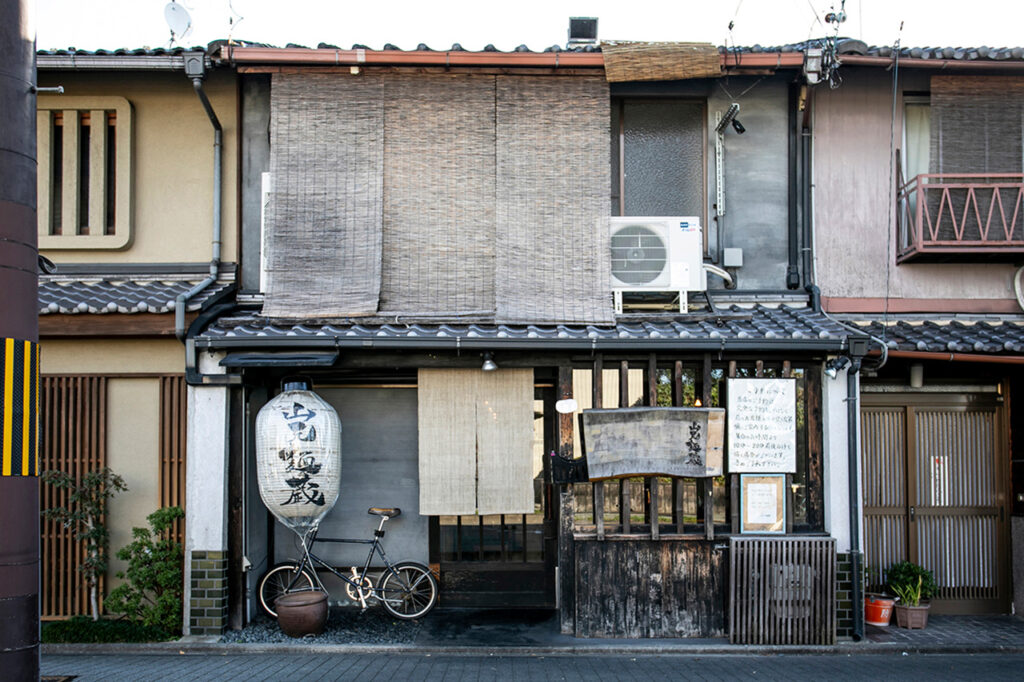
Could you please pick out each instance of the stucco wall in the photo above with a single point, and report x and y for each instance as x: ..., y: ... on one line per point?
x: 172, y: 164
x: 854, y: 196
x: 112, y: 356
x: 133, y: 452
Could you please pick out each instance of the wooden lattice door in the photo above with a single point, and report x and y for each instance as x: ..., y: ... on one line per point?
x: 935, y: 492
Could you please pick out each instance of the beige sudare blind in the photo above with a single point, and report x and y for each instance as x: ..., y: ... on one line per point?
x: 475, y: 441
x: 461, y: 196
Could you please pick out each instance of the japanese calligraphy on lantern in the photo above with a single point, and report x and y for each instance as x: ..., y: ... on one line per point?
x: 762, y: 425
x: 667, y: 441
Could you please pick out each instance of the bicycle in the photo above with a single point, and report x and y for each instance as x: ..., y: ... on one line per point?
x: 408, y: 590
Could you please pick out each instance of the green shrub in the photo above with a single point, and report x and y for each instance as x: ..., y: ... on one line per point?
x: 152, y: 594
x: 904, y: 577
x: 85, y: 630
x: 86, y: 511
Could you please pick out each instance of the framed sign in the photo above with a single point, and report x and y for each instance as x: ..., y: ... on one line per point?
x: 763, y: 503
x: 649, y: 441
x: 761, y: 420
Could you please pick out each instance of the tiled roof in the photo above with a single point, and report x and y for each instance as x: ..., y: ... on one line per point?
x: 851, y: 46
x: 121, y: 294
x: 760, y: 327
x: 989, y: 335
x: 122, y: 51
x: 848, y: 46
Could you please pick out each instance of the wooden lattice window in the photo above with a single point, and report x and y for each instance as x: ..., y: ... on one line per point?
x: 84, y: 179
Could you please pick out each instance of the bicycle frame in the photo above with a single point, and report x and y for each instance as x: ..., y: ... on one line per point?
x: 309, y: 558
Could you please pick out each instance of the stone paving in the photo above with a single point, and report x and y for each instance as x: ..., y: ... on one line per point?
x: 589, y: 667
x: 954, y: 632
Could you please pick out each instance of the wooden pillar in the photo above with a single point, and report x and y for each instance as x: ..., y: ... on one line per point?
x: 566, y: 515
x: 651, y: 482
x: 625, y: 505
x: 596, y: 401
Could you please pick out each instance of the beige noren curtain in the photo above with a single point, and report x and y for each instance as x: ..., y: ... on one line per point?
x: 475, y: 441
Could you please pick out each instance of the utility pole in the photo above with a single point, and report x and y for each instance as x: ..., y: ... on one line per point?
x: 19, y: 347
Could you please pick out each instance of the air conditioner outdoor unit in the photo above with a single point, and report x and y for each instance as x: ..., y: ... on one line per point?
x: 657, y: 254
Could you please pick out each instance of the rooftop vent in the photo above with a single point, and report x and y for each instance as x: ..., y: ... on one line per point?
x: 582, y: 31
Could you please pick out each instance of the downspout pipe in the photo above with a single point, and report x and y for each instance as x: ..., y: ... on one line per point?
x: 793, y: 268
x: 194, y: 68
x: 856, y: 558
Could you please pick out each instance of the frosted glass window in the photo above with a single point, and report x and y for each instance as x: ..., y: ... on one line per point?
x: 663, y: 160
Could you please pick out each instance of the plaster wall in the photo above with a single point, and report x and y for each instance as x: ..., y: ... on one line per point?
x: 854, y: 200
x: 133, y: 452
x: 112, y: 356
x: 172, y: 164
x: 836, y: 460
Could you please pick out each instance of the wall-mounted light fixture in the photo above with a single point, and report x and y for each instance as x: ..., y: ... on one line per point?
x: 489, y: 364
x: 835, y: 365
x: 727, y: 117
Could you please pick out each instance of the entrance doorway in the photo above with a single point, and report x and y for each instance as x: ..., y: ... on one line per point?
x: 935, y: 492
x: 504, y: 560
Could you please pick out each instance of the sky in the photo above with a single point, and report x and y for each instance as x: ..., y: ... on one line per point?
x: 108, y: 24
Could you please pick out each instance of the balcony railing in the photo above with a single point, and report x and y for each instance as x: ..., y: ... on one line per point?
x: 968, y: 216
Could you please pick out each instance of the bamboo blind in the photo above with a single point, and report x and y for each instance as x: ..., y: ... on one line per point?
x: 173, y: 417
x: 660, y: 61
x: 323, y: 227
x: 73, y: 434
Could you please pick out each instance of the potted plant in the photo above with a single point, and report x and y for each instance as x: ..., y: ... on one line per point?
x: 912, y: 584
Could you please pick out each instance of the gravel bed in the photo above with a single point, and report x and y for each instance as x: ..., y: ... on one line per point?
x: 344, y: 626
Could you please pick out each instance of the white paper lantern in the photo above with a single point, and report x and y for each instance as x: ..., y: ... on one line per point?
x: 298, y: 455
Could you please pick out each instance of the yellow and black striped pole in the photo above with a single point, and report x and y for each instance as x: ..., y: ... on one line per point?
x: 19, y: 393
x: 19, y: 350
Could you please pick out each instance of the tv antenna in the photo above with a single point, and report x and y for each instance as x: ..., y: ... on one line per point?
x: 178, y: 21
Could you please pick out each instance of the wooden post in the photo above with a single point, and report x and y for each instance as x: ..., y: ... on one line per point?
x: 734, y: 479
x: 597, y: 400
x: 708, y: 484
x: 625, y: 506
x: 815, y: 449
x: 566, y: 516
x: 651, y: 482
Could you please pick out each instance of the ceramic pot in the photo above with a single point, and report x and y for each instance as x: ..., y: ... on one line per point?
x: 302, y: 613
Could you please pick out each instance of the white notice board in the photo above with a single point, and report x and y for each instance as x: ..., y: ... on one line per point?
x: 761, y: 419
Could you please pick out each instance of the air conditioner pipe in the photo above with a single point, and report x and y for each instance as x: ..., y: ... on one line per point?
x: 218, y: 145
x: 724, y: 274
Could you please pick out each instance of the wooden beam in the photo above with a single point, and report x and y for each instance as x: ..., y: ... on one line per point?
x: 137, y: 324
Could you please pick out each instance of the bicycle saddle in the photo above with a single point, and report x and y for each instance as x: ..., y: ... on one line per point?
x: 390, y: 512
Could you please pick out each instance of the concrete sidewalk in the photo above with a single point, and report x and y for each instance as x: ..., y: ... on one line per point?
x: 536, y: 633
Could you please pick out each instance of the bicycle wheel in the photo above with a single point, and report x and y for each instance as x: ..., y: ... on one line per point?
x: 409, y: 591
x: 276, y: 581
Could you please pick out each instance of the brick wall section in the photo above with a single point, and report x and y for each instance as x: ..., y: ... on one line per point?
x: 844, y: 596
x: 208, y: 609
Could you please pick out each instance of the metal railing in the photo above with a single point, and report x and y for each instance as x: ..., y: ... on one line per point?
x: 950, y: 215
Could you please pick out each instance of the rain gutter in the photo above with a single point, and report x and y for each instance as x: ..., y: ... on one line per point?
x: 954, y: 357
x: 361, y: 57
x: 837, y: 344
x: 939, y: 64
x: 107, y: 62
